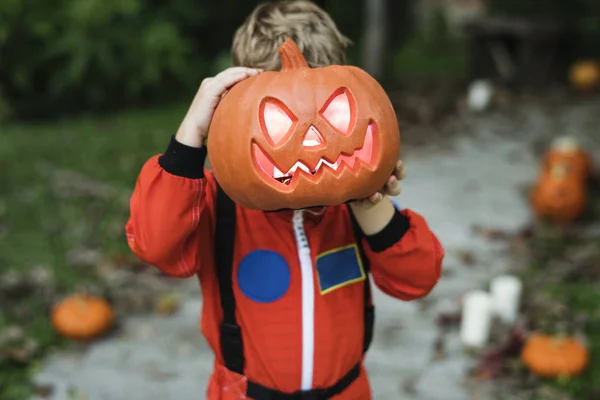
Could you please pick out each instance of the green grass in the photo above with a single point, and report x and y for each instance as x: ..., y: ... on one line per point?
x: 46, y: 212
x: 584, y: 298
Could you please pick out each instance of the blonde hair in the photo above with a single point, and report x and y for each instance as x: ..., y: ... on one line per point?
x: 256, y: 42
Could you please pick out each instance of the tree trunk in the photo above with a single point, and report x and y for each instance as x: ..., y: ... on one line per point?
x: 374, y: 43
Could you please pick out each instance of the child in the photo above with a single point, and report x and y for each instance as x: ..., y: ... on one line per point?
x: 287, y: 300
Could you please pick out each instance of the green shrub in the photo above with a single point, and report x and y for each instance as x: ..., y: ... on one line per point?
x: 68, y: 56
x: 435, y: 54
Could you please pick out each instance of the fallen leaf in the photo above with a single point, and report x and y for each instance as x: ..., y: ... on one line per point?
x: 67, y: 183
x: 154, y: 372
x: 465, y: 256
x: 389, y: 334
x: 409, y: 384
x: 439, y: 347
x: 16, y: 346
x: 24, y: 352
x: 425, y: 303
x: 14, y: 286
x: 84, y: 257
x: 127, y: 260
x: 11, y: 334
x: 490, y: 233
x: 448, y: 320
x: 167, y: 304
x: 76, y: 394
x: 43, y: 390
x: 493, y: 362
x: 41, y: 275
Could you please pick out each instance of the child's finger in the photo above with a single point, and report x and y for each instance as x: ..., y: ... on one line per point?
x: 394, y: 191
x: 227, y: 81
x: 230, y: 77
x: 236, y: 71
x: 393, y: 187
x: 400, y: 170
x: 376, y: 198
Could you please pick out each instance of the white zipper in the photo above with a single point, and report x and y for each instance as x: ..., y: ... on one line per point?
x: 308, y: 301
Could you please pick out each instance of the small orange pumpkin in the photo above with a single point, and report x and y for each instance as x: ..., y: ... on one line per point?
x: 567, y: 151
x: 553, y: 356
x: 82, y: 317
x: 585, y: 75
x: 558, y: 195
x: 303, y: 136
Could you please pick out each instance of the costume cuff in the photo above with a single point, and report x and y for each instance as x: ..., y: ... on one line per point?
x: 390, y: 234
x: 183, y: 161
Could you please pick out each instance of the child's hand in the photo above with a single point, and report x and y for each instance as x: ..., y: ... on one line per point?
x: 392, y: 187
x: 194, y: 128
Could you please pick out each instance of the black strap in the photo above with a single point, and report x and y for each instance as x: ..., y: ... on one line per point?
x: 369, y: 316
x: 232, y: 346
x: 256, y: 391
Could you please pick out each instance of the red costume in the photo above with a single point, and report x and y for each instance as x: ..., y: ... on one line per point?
x: 298, y: 279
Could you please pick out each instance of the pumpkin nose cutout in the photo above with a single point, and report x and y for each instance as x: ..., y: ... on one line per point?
x: 312, y: 138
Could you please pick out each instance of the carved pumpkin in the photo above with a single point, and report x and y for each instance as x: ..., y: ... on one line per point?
x: 82, y: 317
x: 584, y: 75
x: 553, y: 356
x: 558, y: 195
x: 566, y: 151
x: 303, y: 137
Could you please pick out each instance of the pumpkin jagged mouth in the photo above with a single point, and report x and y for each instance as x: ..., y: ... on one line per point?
x: 362, y: 154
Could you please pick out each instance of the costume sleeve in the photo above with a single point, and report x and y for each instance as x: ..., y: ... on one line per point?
x: 405, y: 257
x: 172, y: 211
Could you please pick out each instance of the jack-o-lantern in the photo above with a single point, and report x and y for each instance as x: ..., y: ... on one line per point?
x: 303, y: 137
x: 559, y: 195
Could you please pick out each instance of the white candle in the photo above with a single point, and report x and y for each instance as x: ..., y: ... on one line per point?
x: 476, y: 318
x: 506, y: 297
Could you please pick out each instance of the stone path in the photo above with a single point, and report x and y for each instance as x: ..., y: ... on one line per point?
x: 475, y: 181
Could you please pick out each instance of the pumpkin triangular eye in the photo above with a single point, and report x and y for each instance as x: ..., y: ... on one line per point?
x: 276, y: 120
x: 338, y: 111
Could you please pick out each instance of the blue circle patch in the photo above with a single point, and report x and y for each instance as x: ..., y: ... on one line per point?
x: 264, y: 276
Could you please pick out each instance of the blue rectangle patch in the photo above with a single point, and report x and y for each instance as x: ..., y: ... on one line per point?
x: 339, y: 267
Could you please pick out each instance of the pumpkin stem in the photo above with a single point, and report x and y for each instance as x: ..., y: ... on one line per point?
x: 291, y: 56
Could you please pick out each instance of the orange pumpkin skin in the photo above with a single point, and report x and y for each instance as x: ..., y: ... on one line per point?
x: 579, y: 162
x: 558, y: 196
x: 553, y: 357
x: 567, y: 152
x: 245, y: 145
x: 585, y: 75
x: 82, y: 317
